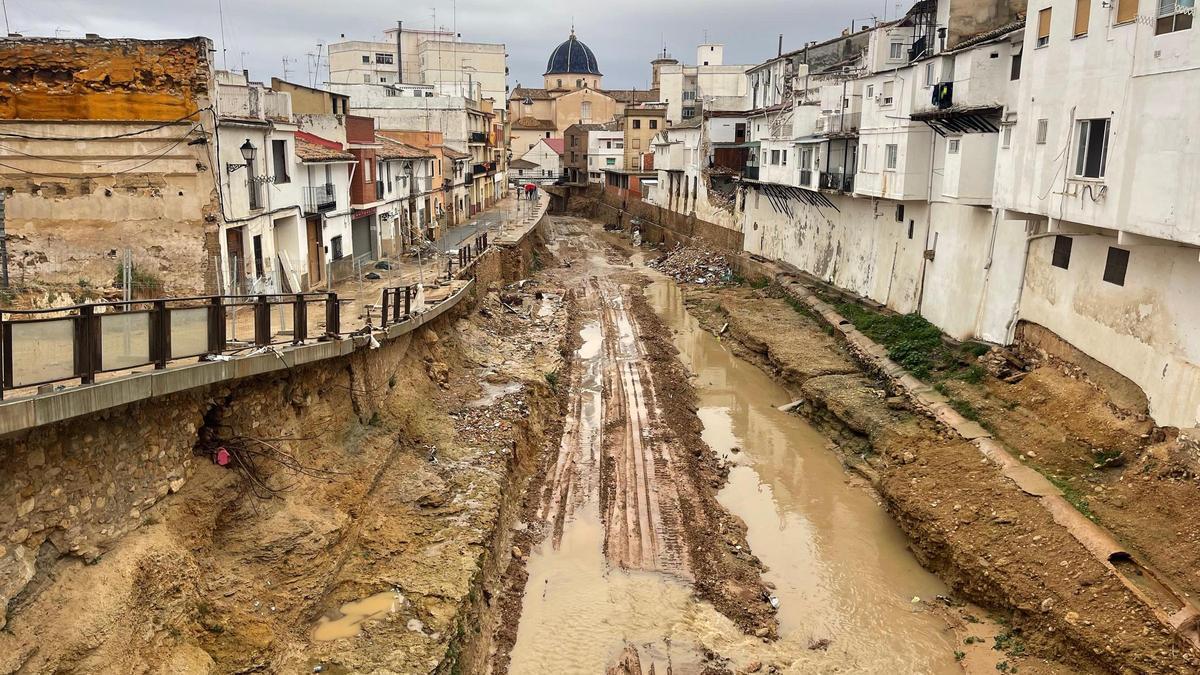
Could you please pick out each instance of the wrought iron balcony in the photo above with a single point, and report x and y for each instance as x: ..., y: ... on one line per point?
x: 320, y: 198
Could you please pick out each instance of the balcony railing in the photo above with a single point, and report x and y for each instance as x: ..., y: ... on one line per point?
x: 839, y: 123
x: 842, y: 182
x: 320, y: 198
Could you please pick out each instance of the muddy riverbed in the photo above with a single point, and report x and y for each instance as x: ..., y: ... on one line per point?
x: 620, y: 569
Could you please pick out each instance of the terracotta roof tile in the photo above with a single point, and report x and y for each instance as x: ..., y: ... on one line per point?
x: 312, y: 152
x: 391, y: 149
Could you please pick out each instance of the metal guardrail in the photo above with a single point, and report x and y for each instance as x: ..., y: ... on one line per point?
x: 45, y: 346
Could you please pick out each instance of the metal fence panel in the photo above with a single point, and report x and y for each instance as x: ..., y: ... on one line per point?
x: 43, y: 351
x: 125, y: 340
x: 189, y: 332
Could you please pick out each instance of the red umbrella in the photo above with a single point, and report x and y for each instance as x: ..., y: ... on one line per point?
x: 530, y: 187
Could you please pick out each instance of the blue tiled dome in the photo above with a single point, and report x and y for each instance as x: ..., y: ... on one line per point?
x: 572, y: 57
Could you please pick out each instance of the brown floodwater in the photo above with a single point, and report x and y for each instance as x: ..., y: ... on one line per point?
x: 841, y: 567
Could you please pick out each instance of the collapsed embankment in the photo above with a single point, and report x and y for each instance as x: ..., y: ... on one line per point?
x: 391, y: 473
x: 992, y: 542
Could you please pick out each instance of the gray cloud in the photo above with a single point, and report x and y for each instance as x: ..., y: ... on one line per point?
x: 624, y: 34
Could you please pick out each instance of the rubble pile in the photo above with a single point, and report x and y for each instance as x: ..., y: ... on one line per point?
x: 694, y: 265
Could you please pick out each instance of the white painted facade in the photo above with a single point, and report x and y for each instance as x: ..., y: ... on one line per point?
x: 546, y: 157
x: 709, y: 85
x: 262, y: 216
x: 434, y: 57
x: 606, y: 150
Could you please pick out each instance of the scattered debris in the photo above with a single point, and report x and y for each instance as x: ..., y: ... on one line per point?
x: 695, y: 265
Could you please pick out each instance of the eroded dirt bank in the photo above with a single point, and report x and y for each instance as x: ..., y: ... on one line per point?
x: 362, y: 526
x: 993, y: 543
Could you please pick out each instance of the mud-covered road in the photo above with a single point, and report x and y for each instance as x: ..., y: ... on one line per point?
x: 687, y: 525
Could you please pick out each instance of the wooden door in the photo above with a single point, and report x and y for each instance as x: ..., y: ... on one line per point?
x: 316, y: 253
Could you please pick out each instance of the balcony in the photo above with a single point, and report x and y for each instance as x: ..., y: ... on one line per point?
x: 320, y: 198
x: 483, y: 168
x: 839, y: 124
x: 841, y: 182
x: 478, y: 138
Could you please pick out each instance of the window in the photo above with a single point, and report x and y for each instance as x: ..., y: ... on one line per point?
x: 1083, y: 13
x: 1174, y: 15
x: 637, y: 124
x: 1043, y: 38
x: 637, y: 144
x: 1116, y: 266
x: 896, y: 51
x: 383, y: 80
x: 887, y: 92
x: 892, y: 152
x: 585, y: 111
x: 866, y: 155
x: 366, y: 58
x: 689, y: 112
x: 899, y: 213
x: 1014, y: 72
x: 952, y: 146
x: 929, y: 74
x: 653, y: 124
x: 560, y: 83
x: 383, y: 58
x: 1126, y: 10
x: 783, y: 157
x: 911, y: 225
x: 774, y: 157
x: 1006, y: 138
x: 1062, y: 252
x: 1043, y: 130
x: 367, y: 78
x: 1091, y: 148
x: 579, y: 84
x: 870, y: 91
x: 574, y: 141
x: 610, y: 161
x: 335, y: 248
x: 279, y: 161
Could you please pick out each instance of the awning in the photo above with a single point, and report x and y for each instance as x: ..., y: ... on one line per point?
x: 781, y: 196
x: 977, y: 120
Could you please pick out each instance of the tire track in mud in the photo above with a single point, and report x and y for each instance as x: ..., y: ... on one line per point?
x: 614, y: 442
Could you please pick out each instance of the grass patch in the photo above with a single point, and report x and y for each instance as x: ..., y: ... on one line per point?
x: 552, y: 380
x: 1073, y: 495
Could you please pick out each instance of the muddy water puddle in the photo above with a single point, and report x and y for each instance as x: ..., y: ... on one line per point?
x: 843, y: 575
x: 353, y: 615
x: 841, y: 567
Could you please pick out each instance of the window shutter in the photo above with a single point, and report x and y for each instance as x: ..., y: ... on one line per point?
x: 1166, y: 7
x: 1127, y: 10
x: 1044, y: 21
x: 1083, y: 10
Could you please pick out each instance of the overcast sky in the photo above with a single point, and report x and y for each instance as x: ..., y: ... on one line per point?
x: 624, y: 34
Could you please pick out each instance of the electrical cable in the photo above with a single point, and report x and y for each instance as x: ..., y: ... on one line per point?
x: 90, y: 175
x: 128, y: 134
x: 149, y: 153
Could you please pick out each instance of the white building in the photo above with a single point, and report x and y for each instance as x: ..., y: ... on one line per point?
x: 606, y: 150
x: 324, y: 181
x: 709, y: 85
x: 547, y: 155
x: 1099, y: 160
x: 263, y: 245
x: 432, y: 57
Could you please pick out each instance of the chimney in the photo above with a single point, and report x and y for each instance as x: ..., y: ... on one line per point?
x: 780, y: 45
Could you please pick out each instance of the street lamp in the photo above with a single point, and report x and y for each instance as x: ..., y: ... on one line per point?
x: 248, y: 153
